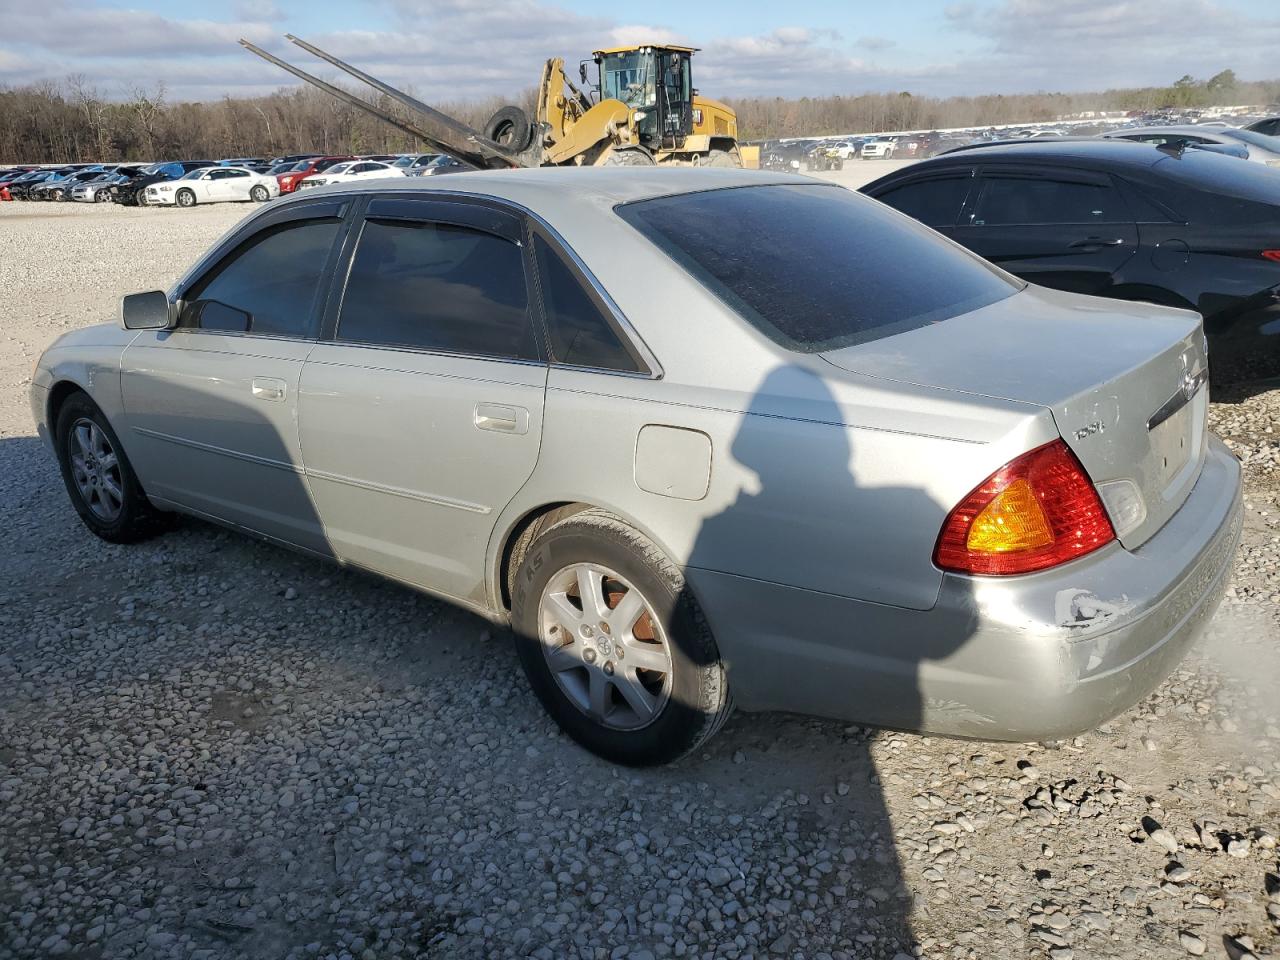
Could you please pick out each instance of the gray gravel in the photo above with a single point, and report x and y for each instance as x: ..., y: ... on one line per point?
x: 213, y: 748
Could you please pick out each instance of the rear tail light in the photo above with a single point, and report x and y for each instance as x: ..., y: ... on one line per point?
x: 1036, y: 511
x: 1272, y: 255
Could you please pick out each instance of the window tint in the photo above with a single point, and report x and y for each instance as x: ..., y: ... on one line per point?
x: 936, y: 202
x: 816, y: 267
x: 1015, y: 200
x: 273, y: 278
x: 580, y: 334
x: 437, y: 287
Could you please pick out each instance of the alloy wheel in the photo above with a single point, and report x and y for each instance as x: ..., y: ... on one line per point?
x: 95, y: 468
x: 605, y: 646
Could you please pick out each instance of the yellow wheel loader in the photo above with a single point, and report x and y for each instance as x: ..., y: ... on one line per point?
x: 642, y: 110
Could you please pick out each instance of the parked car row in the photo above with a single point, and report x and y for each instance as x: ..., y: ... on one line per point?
x: 189, y: 182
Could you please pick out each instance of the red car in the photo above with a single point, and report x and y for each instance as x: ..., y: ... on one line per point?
x: 305, y: 168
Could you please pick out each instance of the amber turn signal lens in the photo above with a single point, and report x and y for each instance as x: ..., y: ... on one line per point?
x: 1035, y: 512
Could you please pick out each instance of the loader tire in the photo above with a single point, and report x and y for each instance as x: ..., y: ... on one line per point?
x: 510, y: 127
x: 723, y: 158
x: 628, y: 157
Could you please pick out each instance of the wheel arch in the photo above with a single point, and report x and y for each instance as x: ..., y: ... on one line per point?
x: 508, y: 548
x: 59, y: 393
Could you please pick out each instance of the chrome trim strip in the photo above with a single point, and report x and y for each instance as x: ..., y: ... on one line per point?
x: 1191, y: 385
x: 400, y: 492
x: 213, y: 448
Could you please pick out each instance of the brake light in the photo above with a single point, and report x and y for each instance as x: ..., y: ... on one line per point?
x: 1272, y: 255
x: 1036, y: 511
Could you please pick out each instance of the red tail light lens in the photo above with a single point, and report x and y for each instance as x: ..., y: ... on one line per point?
x: 1037, y: 511
x: 1272, y: 255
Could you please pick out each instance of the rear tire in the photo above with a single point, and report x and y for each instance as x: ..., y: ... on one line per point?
x: 105, y: 492
x: 511, y: 127
x: 645, y: 715
x: 185, y: 198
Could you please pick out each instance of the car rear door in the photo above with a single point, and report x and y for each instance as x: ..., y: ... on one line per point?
x: 212, y: 405
x: 1062, y: 228
x: 421, y: 411
x: 935, y: 198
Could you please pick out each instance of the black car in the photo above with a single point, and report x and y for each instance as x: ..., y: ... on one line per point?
x: 133, y: 192
x: 1189, y: 229
x: 21, y: 190
x: 1269, y: 127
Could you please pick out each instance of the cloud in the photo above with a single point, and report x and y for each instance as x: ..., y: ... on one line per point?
x: 449, y: 50
x: 1088, y: 44
x: 875, y: 44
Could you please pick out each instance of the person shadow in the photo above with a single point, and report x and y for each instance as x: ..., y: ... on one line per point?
x: 832, y: 613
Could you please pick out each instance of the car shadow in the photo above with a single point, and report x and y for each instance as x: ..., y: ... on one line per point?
x: 806, y: 491
x: 767, y: 779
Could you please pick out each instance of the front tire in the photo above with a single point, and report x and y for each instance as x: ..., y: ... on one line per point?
x: 260, y: 193
x: 185, y: 198
x: 99, y: 478
x: 723, y: 158
x: 613, y: 642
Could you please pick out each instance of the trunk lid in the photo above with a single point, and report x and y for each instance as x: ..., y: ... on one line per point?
x: 1126, y: 383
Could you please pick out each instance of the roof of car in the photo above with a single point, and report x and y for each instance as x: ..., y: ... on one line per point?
x: 568, y: 186
x: 1198, y: 128
x: 1119, y: 152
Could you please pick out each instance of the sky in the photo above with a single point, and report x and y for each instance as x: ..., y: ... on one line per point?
x: 451, y: 50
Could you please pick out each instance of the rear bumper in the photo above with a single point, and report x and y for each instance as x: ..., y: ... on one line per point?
x: 1036, y: 657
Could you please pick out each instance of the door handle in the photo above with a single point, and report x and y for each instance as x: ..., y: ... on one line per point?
x: 268, y: 388
x: 1097, y: 242
x: 501, y: 418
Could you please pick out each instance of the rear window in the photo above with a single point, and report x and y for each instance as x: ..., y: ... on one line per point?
x: 817, y: 267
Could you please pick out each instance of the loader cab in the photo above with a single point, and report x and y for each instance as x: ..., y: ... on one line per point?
x: 657, y: 84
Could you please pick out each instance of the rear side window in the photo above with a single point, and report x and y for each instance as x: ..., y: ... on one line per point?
x: 268, y: 285
x: 817, y: 267
x: 1008, y: 201
x: 936, y: 202
x: 438, y: 287
x: 580, y: 333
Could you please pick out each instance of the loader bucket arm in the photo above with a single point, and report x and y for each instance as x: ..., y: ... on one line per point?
x: 476, y: 142
x: 364, y: 105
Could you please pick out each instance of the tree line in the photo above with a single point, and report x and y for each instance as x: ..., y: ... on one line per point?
x: 70, y: 121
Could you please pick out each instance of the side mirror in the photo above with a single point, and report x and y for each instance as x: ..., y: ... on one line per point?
x: 146, y: 311
x: 582, y: 72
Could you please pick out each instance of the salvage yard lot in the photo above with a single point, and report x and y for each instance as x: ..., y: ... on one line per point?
x: 213, y: 747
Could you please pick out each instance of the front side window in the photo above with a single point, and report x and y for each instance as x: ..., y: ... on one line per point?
x: 816, y: 267
x: 268, y: 284
x: 437, y: 287
x: 580, y: 334
x: 1027, y: 200
x: 935, y: 202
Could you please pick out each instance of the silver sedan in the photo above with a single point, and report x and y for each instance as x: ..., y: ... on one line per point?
x: 700, y: 437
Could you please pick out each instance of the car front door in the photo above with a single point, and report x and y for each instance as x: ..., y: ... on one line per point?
x: 1066, y: 229
x: 235, y: 184
x: 217, y: 185
x: 211, y: 405
x: 421, y: 412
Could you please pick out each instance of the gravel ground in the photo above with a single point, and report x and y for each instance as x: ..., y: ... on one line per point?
x: 214, y: 748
